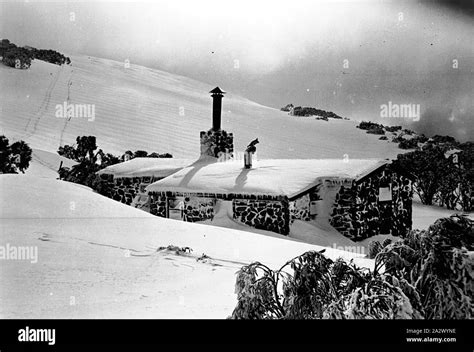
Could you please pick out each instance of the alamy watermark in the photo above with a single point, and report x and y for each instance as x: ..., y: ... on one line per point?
x: 393, y: 110
x: 10, y: 252
x: 37, y: 335
x: 66, y: 111
x: 351, y: 249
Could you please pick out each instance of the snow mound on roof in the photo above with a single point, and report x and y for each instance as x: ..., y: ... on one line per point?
x: 138, y: 167
x: 269, y: 177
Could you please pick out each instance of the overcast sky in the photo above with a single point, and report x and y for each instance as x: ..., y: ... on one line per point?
x: 346, y: 56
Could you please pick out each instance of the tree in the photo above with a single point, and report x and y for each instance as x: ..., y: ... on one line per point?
x: 428, y: 165
x: 68, y: 152
x: 86, y: 145
x: 140, y: 154
x: 108, y: 159
x: 14, y: 158
x: 22, y: 155
x: 128, y: 155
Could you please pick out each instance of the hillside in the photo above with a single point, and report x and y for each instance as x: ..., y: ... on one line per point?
x: 158, y: 111
x: 46, y: 164
x: 98, y: 258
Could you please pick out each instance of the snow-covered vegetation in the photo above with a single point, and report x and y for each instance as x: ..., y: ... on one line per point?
x: 427, y: 275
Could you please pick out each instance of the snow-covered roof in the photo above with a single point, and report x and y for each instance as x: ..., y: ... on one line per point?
x: 266, y: 177
x: 140, y: 167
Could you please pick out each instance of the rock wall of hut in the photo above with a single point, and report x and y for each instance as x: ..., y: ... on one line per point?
x: 124, y: 189
x: 299, y: 208
x: 194, y: 208
x: 269, y: 215
x: 358, y: 213
x: 198, y: 209
x: 216, y: 143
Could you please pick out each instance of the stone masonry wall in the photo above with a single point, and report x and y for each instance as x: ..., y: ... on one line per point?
x: 216, y: 143
x: 270, y: 215
x: 195, y: 208
x: 402, y: 194
x: 358, y: 213
x: 158, y: 204
x: 343, y: 211
x: 299, y: 208
x: 198, y: 209
x: 126, y: 188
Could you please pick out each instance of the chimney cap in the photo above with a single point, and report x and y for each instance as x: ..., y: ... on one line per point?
x: 217, y: 90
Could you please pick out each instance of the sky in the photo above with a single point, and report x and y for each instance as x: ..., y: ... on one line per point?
x: 350, y: 56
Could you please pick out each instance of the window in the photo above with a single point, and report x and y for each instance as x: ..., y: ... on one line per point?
x: 385, y: 194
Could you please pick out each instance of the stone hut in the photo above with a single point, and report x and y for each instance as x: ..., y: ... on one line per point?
x: 359, y: 198
x: 129, y: 179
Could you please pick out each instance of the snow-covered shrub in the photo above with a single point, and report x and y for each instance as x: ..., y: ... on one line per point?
x: 374, y: 248
x: 429, y: 274
x: 380, y: 298
x: 312, y: 286
x: 436, y: 262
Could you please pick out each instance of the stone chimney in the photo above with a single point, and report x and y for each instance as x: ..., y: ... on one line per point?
x: 216, y: 142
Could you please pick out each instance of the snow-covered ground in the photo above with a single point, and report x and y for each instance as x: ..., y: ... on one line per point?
x: 46, y: 164
x: 98, y: 258
x: 425, y: 215
x: 138, y: 108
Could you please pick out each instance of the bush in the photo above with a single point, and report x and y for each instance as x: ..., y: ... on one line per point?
x: 374, y: 248
x: 376, y: 130
x: 408, y: 143
x: 50, y: 56
x: 18, y: 58
x: 364, y: 125
x: 426, y: 275
x: 444, y: 139
x: 436, y: 263
x: 21, y: 57
x: 393, y: 128
x: 309, y: 111
x: 14, y: 158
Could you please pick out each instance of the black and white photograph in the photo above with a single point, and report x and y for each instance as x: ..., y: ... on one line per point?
x: 237, y: 160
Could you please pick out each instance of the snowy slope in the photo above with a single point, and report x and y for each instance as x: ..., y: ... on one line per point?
x: 46, y: 164
x: 147, y: 109
x: 98, y: 258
